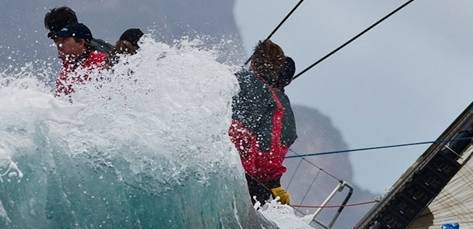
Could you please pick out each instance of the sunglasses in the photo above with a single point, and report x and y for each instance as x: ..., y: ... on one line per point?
x: 52, y: 35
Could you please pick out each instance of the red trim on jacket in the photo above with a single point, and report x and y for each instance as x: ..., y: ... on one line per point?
x: 264, y: 166
x: 73, y: 73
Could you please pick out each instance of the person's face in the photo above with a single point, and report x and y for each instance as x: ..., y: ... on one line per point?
x: 68, y: 47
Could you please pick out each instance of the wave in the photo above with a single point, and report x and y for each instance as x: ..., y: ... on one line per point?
x: 144, y: 145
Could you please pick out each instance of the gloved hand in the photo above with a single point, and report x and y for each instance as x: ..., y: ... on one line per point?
x: 284, y: 196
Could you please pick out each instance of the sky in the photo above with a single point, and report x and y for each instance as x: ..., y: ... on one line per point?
x: 404, y: 81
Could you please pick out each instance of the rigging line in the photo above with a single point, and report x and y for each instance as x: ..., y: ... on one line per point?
x: 316, y: 166
x: 360, y: 149
x: 284, y: 20
x: 268, y: 189
x: 310, y: 186
x: 374, y: 148
x: 352, y: 39
x: 337, y: 206
x: 294, y: 174
x: 295, y: 206
x: 279, y: 25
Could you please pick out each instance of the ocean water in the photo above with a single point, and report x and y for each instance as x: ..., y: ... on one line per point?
x: 144, y: 145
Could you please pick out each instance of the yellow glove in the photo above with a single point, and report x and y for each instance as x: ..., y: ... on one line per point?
x: 284, y: 196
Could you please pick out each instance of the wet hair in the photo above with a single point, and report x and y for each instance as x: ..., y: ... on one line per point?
x: 59, y: 17
x: 132, y: 36
x: 125, y: 47
x: 268, y: 61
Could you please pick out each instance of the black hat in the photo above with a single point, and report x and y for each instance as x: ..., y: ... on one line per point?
x: 287, y: 73
x: 132, y: 35
x: 77, y: 30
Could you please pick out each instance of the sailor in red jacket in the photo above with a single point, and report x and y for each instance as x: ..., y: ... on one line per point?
x: 79, y: 60
x: 263, y: 125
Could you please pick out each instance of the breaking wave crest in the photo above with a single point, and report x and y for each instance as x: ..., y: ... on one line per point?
x: 144, y: 145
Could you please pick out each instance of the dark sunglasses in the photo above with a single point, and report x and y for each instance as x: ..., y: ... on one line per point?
x: 52, y: 35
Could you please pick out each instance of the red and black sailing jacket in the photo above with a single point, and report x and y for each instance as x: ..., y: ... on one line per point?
x: 77, y: 71
x: 263, y: 127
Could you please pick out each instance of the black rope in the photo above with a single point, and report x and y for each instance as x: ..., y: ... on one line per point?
x: 310, y: 186
x: 284, y: 20
x: 279, y: 25
x: 373, y: 148
x: 354, y: 38
x: 316, y: 166
x: 360, y: 149
x: 294, y: 174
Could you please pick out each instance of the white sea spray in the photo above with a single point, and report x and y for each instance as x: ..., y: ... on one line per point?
x: 142, y: 145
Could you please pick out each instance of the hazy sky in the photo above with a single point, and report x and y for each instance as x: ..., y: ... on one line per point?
x: 404, y: 81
